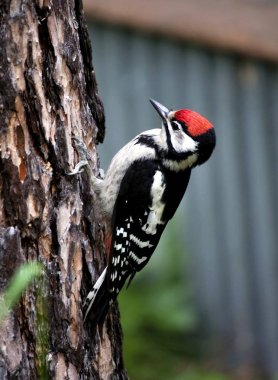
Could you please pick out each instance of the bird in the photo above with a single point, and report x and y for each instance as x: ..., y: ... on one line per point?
x: 141, y: 191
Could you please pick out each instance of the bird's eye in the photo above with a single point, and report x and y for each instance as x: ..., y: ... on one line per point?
x: 175, y: 126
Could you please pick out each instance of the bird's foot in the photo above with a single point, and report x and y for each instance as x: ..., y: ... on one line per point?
x: 83, y: 155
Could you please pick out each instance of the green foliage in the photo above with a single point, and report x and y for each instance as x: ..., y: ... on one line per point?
x: 23, y: 278
x: 18, y: 283
x: 158, y: 318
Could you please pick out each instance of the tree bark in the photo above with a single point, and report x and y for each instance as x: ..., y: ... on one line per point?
x: 48, y: 94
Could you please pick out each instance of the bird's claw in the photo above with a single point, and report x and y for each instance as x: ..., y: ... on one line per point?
x: 83, y: 155
x: 79, y: 168
x: 81, y: 149
x: 84, y: 159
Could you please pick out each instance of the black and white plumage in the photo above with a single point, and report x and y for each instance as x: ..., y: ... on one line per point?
x: 140, y: 193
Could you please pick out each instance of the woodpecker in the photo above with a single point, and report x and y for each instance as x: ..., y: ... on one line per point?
x: 140, y: 193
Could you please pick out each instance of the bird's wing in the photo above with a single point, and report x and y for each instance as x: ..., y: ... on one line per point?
x: 137, y: 223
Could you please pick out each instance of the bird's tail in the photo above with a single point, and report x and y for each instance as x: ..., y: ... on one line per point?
x: 96, y: 304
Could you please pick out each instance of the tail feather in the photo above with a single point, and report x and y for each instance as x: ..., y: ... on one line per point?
x: 96, y: 304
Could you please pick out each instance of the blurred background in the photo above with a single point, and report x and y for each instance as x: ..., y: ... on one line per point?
x: 206, y: 307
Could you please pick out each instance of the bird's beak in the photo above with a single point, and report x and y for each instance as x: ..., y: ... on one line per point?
x: 162, y: 111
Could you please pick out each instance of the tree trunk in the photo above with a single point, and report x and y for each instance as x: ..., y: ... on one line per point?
x: 48, y: 94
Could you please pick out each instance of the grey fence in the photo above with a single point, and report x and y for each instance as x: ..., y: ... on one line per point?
x: 231, y: 209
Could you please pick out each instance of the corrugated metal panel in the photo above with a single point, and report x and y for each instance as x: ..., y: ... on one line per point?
x: 232, y: 201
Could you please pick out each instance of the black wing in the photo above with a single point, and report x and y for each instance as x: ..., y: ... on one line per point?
x: 147, y: 199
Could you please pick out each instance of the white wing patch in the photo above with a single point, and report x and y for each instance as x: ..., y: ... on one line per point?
x: 117, y: 246
x: 137, y: 259
x: 157, y: 207
x: 121, y: 231
x: 141, y: 244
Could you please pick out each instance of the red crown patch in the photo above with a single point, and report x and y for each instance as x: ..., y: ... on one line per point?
x: 196, y: 123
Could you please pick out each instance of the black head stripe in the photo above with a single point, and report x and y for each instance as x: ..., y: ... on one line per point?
x: 168, y: 137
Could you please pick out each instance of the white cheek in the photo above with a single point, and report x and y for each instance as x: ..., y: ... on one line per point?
x: 184, y: 143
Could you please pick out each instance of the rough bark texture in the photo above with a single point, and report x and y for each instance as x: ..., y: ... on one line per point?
x: 48, y: 94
